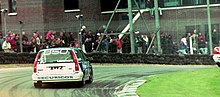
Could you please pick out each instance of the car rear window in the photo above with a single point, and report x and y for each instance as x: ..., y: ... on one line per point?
x: 56, y: 56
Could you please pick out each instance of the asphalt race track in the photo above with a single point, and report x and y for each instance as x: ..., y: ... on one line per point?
x: 107, y: 81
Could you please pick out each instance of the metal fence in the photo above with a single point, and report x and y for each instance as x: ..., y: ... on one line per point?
x: 183, y: 28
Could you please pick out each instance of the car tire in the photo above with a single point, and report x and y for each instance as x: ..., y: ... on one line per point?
x: 38, y: 85
x: 91, y: 77
x: 83, y: 82
x: 218, y: 64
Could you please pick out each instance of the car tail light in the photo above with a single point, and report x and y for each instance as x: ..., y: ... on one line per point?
x: 35, y: 62
x: 216, y: 50
x: 75, y: 61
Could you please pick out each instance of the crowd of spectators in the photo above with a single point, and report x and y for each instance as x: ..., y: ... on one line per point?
x: 197, y: 43
x: 52, y: 39
x: 108, y: 42
x: 11, y: 42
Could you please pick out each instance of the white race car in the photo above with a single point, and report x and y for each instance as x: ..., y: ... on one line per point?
x: 216, y: 56
x: 56, y: 65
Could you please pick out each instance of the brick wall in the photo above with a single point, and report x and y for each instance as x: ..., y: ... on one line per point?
x: 29, y: 12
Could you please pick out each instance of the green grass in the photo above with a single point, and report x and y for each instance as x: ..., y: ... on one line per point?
x: 196, y: 83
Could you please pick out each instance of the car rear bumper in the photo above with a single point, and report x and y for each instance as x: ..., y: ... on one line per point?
x: 57, y: 78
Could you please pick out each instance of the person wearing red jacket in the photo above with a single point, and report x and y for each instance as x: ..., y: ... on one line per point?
x: 13, y: 43
x: 119, y: 48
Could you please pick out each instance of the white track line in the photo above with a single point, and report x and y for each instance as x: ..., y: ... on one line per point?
x: 129, y: 90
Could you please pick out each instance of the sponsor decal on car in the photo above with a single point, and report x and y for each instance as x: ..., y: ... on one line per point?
x: 54, y: 77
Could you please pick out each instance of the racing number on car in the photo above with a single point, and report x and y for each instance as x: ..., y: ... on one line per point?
x: 56, y: 67
x: 217, y: 50
x: 49, y: 52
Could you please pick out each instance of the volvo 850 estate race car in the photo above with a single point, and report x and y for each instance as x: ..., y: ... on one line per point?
x: 216, y: 55
x: 56, y: 65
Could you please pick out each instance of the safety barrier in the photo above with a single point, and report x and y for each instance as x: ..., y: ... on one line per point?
x: 17, y: 58
x: 27, y: 58
x: 151, y: 59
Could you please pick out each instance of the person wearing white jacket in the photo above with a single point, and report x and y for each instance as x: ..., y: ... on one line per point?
x: 6, y: 46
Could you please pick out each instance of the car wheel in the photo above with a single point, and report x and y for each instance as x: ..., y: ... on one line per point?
x: 38, y: 85
x: 90, y: 77
x: 83, y: 82
x: 218, y: 64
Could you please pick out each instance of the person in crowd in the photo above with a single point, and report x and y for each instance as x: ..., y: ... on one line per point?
x: 188, y: 38
x: 150, y: 39
x: 1, y: 41
x: 145, y: 44
x: 25, y: 45
x: 76, y: 44
x: 182, y: 49
x: 49, y: 35
x: 96, y: 42
x: 104, y: 45
x: 203, y: 47
x: 84, y: 35
x: 170, y: 45
x: 201, y: 44
x: 24, y: 36
x: 33, y: 45
x: 113, y: 45
x: 167, y: 43
x: 163, y: 39
x: 195, y: 42
x: 201, y: 37
x: 13, y: 42
x: 6, y: 46
x: 42, y: 39
x: 17, y: 40
x: 71, y: 37
x: 25, y: 42
x: 126, y: 47
x: 38, y: 41
x: 215, y: 37
x: 119, y: 47
x: 63, y: 40
x: 88, y: 42
x: 183, y: 46
x: 54, y: 34
x: 139, y: 42
x: 44, y: 44
x: 54, y: 43
x: 8, y: 34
